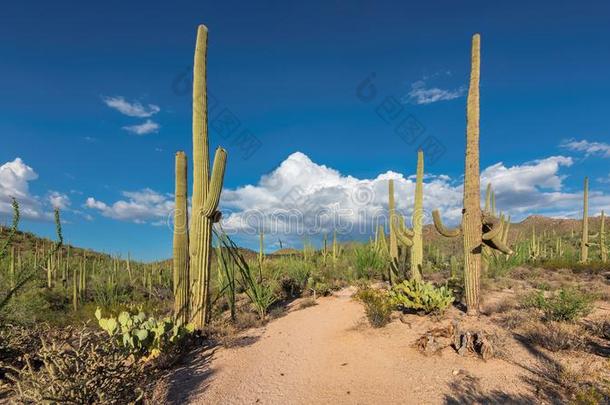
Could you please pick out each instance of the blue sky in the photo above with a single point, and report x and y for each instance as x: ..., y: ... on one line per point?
x: 78, y: 81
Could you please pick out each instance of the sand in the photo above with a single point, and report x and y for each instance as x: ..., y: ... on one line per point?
x: 328, y: 353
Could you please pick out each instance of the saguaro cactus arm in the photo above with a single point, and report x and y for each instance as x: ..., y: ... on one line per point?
x: 403, y: 234
x: 492, y: 227
x: 218, y: 171
x: 442, y: 229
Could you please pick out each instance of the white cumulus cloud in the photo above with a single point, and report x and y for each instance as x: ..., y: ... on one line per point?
x: 421, y: 94
x: 131, y: 109
x: 59, y: 200
x: 146, y: 127
x: 303, y: 199
x: 588, y: 148
x: 142, y: 206
x: 15, y: 178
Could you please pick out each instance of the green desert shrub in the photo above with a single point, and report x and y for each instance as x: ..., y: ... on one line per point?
x: 368, y: 262
x: 567, y: 304
x: 421, y: 296
x: 377, y: 306
x: 108, y: 293
x: 591, y: 267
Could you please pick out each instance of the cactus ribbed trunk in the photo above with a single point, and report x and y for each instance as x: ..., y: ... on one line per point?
x: 181, y: 240
x: 206, y: 190
x: 603, y: 252
x: 487, y: 198
x: 505, y: 230
x: 393, y: 239
x: 584, y: 241
x: 75, y: 288
x: 417, y: 250
x: 335, y: 248
x: 12, y: 267
x: 261, y: 248
x: 471, y: 218
x: 129, y: 267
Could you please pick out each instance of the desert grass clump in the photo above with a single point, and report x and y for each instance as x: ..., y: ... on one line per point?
x: 555, y: 336
x: 368, y: 262
x: 377, y: 305
x: 599, y: 328
x: 262, y: 292
x: 565, y: 305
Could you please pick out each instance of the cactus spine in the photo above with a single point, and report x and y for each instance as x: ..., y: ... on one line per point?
x: 477, y: 228
x: 181, y: 241
x: 417, y: 250
x: 206, y: 190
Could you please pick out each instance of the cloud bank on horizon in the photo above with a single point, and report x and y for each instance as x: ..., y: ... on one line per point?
x: 302, y: 198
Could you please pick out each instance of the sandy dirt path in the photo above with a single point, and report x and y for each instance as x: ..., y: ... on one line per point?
x: 327, y: 354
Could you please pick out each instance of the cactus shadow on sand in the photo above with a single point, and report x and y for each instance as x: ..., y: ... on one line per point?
x: 189, y: 379
x: 468, y: 390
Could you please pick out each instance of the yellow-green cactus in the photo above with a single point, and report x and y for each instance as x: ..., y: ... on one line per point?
x: 12, y: 267
x: 206, y: 193
x: 603, y: 249
x: 584, y: 238
x: 261, y: 249
x: 417, y: 249
x: 400, y: 236
x: 477, y: 228
x: 181, y: 248
x: 394, y: 254
x: 335, y: 248
x: 381, y: 245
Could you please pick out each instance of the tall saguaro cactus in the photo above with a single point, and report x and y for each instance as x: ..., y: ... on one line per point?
x: 192, y: 274
x: 417, y: 250
x: 603, y: 249
x: 584, y: 238
x: 206, y: 189
x: 477, y: 228
x: 471, y: 219
x: 181, y: 240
